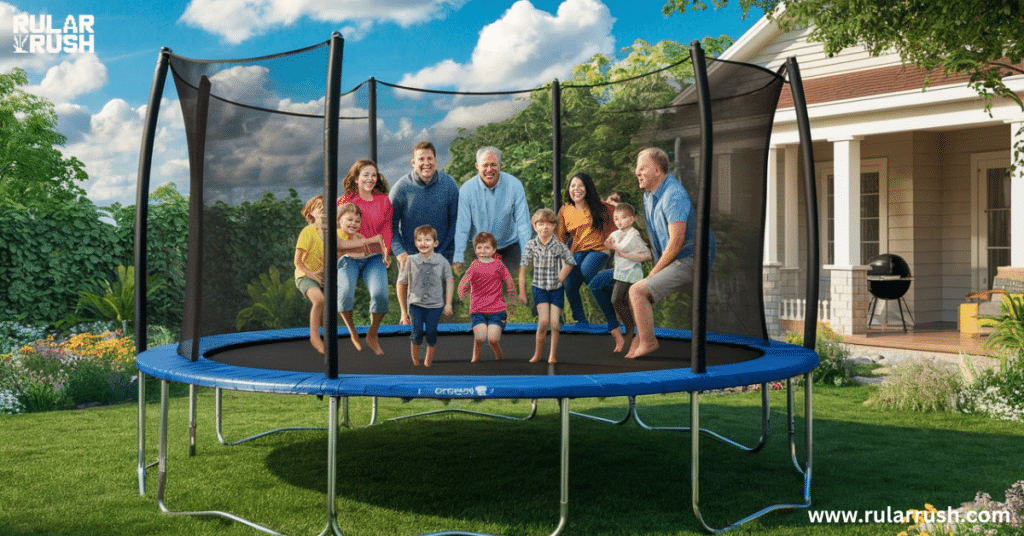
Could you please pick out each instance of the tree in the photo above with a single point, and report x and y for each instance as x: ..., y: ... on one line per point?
x: 979, y: 38
x: 32, y: 170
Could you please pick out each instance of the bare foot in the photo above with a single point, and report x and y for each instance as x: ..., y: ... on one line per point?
x: 371, y: 341
x: 476, y: 358
x: 632, y: 348
x: 415, y: 362
x: 552, y: 360
x: 535, y: 359
x: 643, y: 348
x: 627, y: 342
x: 497, y: 352
x: 618, y: 340
x: 318, y: 343
x: 355, y: 342
x: 429, y: 358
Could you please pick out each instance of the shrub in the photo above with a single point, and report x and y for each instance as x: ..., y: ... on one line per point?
x: 1009, y: 325
x: 919, y: 385
x: 998, y: 394
x: 834, y: 368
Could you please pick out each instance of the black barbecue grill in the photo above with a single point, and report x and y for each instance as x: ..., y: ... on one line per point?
x: 889, y: 279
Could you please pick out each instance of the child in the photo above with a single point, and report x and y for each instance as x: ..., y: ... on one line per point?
x: 421, y: 282
x: 630, y: 251
x: 309, y: 266
x: 544, y: 252
x: 487, y: 308
x: 355, y: 246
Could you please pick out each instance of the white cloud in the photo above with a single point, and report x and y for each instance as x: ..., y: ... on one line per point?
x: 81, y: 74
x: 8, y: 58
x: 238, y: 20
x: 527, y: 47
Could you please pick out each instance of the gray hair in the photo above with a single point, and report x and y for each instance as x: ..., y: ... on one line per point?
x: 481, y: 152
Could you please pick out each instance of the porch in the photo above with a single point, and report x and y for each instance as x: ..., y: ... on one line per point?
x: 933, y: 337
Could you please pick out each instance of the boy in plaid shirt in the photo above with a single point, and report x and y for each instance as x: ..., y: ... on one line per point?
x: 544, y: 252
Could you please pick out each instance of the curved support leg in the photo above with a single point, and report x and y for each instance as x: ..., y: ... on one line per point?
x: 805, y: 471
x: 532, y: 414
x: 218, y: 409
x: 162, y: 474
x: 630, y: 412
x: 765, y: 421
x: 142, y: 467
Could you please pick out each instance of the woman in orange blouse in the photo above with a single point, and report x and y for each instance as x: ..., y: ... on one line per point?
x: 584, y: 224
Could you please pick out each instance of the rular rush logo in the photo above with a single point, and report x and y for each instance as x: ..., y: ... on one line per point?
x: 35, y: 34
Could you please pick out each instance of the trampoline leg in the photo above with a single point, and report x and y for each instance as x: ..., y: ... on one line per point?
x: 765, y: 422
x: 563, y: 510
x: 332, y: 468
x: 805, y: 471
x: 162, y: 473
x: 630, y: 412
x: 218, y: 404
x: 142, y: 434
x: 191, y: 420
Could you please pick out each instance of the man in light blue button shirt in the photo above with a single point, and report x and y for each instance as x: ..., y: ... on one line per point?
x: 671, y: 226
x: 495, y: 202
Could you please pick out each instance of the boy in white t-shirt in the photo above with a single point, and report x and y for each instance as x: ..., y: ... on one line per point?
x: 630, y: 252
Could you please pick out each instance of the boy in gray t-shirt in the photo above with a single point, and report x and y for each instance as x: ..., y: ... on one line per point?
x: 425, y: 288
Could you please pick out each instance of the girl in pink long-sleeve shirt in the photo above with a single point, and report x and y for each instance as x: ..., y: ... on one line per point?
x: 487, y: 308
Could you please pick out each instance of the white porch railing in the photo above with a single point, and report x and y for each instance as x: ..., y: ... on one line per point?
x: 796, y: 308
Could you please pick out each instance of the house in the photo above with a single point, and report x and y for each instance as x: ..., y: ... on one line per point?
x: 924, y: 174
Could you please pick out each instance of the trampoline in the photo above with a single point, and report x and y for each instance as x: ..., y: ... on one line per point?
x: 281, y: 361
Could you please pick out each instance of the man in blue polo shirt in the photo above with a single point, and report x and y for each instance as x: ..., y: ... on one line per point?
x: 495, y: 202
x: 671, y: 226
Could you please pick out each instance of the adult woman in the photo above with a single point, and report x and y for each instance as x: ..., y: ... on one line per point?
x: 369, y: 191
x: 584, y: 224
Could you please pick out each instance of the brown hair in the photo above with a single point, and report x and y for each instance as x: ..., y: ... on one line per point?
x: 426, y: 230
x: 483, y: 237
x: 625, y: 207
x: 353, y: 174
x: 658, y: 156
x: 424, y: 145
x: 544, y: 214
x: 345, y: 208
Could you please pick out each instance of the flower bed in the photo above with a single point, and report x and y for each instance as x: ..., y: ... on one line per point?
x: 85, y: 369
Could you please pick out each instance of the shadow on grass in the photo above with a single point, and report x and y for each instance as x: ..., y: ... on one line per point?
x: 627, y: 480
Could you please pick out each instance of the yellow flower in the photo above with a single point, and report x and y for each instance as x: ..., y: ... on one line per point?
x: 930, y: 508
x: 904, y: 533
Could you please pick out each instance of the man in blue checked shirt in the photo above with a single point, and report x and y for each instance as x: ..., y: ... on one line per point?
x: 495, y: 202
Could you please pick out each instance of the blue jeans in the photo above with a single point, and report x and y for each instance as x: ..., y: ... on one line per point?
x: 588, y: 264
x: 424, y: 323
x: 374, y: 274
x: 601, y: 287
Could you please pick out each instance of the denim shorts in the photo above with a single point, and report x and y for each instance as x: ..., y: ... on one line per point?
x: 489, y: 319
x: 555, y: 297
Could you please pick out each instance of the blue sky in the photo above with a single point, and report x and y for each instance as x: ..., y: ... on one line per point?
x: 101, y: 92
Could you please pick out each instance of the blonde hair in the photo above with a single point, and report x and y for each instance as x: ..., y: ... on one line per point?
x: 545, y: 215
x: 625, y: 208
x: 346, y: 208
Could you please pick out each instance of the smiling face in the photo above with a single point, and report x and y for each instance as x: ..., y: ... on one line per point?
x: 425, y: 243
x: 424, y: 163
x: 577, y: 191
x: 367, y: 179
x: 349, y: 223
x: 489, y: 169
x: 649, y: 176
x: 484, y: 250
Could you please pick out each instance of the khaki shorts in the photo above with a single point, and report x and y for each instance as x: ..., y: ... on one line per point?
x: 304, y: 284
x: 673, y: 278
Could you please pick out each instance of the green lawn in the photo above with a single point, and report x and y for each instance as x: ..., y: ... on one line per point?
x: 73, y: 472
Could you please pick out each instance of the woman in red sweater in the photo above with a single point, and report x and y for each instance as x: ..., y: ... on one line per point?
x: 365, y: 187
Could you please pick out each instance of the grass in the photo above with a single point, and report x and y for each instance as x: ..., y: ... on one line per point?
x: 73, y: 472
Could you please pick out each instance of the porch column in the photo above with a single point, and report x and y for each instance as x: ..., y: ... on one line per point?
x: 849, y: 295
x: 1016, y: 196
x: 771, y: 280
x: 791, y: 272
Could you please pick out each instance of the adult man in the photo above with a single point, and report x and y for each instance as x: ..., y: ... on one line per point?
x: 671, y: 226
x: 425, y: 196
x: 495, y: 202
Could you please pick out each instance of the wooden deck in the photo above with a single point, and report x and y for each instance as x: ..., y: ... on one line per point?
x: 939, y: 338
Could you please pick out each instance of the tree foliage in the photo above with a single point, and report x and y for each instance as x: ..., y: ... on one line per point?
x: 32, y: 170
x: 978, y: 38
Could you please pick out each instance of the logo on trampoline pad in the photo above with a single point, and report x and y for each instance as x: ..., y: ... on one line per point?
x: 35, y: 34
x: 479, y: 390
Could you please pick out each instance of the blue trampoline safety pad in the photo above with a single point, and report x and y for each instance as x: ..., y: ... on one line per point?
x: 771, y: 361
